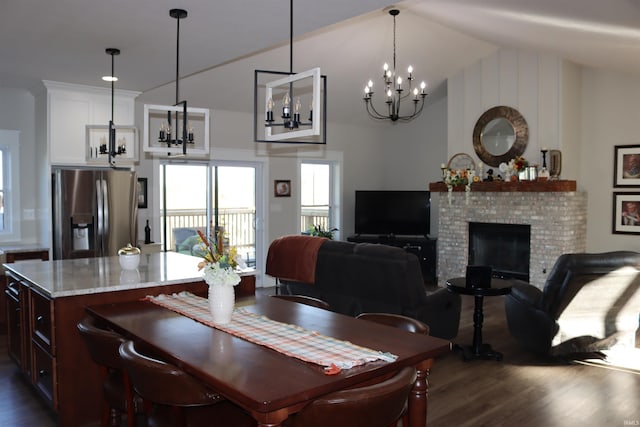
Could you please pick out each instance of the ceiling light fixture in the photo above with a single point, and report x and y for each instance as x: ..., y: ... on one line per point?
x: 112, y: 150
x: 184, y: 135
x: 294, y: 91
x: 394, y: 89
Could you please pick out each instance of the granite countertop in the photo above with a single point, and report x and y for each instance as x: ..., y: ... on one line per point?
x: 70, y: 277
x: 6, y: 249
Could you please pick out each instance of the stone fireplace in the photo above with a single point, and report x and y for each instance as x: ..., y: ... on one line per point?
x: 558, y: 221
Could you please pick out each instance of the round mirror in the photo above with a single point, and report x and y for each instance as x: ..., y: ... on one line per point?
x: 500, y: 134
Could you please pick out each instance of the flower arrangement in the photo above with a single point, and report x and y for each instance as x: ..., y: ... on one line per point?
x: 219, y: 264
x: 514, y: 166
x: 454, y: 177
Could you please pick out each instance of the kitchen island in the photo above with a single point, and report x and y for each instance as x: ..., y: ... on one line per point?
x: 45, y: 301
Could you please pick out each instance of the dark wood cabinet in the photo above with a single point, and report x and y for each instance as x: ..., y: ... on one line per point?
x: 422, y: 247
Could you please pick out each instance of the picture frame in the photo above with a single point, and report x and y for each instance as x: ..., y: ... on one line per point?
x: 282, y: 188
x: 142, y: 193
x: 626, y: 213
x: 626, y: 166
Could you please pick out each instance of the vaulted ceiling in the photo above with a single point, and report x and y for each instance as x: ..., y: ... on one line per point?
x: 65, y: 40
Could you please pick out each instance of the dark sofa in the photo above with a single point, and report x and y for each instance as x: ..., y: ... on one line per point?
x: 361, y: 277
x: 590, y: 302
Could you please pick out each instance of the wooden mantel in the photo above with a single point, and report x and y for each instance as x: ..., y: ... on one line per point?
x: 506, y: 186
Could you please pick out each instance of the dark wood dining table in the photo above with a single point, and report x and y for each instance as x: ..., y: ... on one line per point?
x: 267, y: 384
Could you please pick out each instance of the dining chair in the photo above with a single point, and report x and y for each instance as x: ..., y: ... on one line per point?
x: 399, y: 321
x: 103, y: 346
x: 303, y: 299
x: 175, y: 398
x: 375, y: 405
x: 405, y: 323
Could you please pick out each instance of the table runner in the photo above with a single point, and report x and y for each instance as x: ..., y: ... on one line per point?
x: 292, y: 340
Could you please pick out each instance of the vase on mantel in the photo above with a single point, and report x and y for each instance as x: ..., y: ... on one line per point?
x: 222, y: 300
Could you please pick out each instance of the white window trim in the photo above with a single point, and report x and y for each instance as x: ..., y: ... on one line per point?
x: 10, y: 144
x: 334, y: 160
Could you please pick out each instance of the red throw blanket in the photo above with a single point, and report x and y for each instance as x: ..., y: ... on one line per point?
x: 294, y: 258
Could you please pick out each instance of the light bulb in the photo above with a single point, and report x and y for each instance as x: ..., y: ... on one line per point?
x: 270, y: 104
x: 399, y: 81
x: 297, y: 105
x: 410, y: 69
x: 415, y: 92
x: 286, y: 100
x: 389, y: 93
x: 385, y: 67
x: 370, y: 84
x: 423, y: 85
x: 366, y: 90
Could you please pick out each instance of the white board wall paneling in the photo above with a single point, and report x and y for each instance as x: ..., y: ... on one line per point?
x: 473, y: 107
x: 528, y: 72
x: 490, y: 83
x: 455, y: 112
x: 549, y: 93
x: 508, y: 79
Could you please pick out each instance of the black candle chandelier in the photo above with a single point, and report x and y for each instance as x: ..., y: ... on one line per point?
x: 112, y: 149
x: 170, y: 132
x: 394, y: 91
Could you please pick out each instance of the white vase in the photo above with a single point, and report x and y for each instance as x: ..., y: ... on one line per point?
x: 221, y: 303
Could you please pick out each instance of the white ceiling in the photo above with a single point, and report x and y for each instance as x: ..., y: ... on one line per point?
x: 65, y: 40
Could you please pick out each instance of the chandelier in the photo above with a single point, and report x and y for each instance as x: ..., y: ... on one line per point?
x: 394, y: 89
x: 112, y: 149
x: 184, y: 135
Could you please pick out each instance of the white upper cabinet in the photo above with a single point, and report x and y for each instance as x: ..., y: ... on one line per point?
x: 77, y: 124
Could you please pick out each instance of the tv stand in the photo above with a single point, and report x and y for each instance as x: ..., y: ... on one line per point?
x: 423, y: 247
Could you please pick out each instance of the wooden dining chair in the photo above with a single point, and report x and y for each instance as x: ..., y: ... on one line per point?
x: 399, y: 321
x: 175, y: 398
x: 376, y: 405
x: 303, y: 299
x: 405, y: 323
x: 103, y: 346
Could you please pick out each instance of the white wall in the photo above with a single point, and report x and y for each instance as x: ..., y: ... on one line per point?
x: 17, y: 112
x: 610, y: 117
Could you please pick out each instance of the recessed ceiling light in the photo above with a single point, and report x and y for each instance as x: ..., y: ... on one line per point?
x: 109, y: 78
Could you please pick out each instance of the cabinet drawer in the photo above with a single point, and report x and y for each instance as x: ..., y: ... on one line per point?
x: 41, y: 315
x: 43, y: 373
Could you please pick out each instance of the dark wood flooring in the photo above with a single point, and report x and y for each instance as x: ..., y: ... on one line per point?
x: 521, y: 390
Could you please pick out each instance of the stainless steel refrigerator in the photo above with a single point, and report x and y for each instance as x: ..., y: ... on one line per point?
x: 94, y: 212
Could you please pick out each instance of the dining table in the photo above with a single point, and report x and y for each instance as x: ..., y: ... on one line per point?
x: 268, y: 384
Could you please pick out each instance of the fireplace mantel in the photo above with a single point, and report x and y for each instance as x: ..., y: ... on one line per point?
x: 507, y: 186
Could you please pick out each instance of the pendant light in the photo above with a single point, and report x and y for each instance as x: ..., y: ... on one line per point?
x: 112, y: 150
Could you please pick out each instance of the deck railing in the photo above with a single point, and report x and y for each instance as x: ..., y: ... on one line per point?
x: 238, y: 223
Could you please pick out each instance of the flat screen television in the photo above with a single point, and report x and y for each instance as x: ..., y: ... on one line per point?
x: 393, y: 213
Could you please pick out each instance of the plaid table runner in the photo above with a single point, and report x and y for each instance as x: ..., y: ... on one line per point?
x: 288, y: 339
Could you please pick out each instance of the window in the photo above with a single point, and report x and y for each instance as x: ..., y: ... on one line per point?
x: 9, y: 174
x: 317, y: 196
x: 209, y: 197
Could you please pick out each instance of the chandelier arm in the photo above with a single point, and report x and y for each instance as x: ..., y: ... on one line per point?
x: 375, y: 114
x: 416, y: 113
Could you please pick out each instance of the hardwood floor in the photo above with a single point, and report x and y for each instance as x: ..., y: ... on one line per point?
x: 520, y: 390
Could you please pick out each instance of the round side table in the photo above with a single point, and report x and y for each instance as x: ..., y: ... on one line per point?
x: 478, y: 349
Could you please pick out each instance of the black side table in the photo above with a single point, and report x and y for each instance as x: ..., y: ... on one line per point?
x: 478, y: 350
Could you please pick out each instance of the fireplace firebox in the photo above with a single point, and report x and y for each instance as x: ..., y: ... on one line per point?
x: 504, y: 247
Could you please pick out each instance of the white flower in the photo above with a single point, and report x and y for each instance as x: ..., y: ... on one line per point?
x: 216, y: 275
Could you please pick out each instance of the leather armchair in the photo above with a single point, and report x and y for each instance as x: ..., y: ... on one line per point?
x: 589, y: 302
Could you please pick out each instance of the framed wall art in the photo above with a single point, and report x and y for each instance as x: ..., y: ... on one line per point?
x: 626, y: 166
x: 282, y: 188
x: 626, y: 213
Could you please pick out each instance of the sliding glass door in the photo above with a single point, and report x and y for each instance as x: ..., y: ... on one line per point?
x: 208, y: 197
